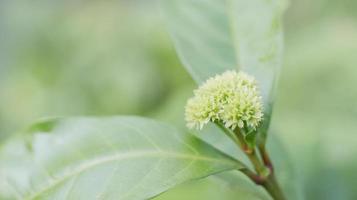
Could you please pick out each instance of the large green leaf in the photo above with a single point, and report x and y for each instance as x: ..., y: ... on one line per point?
x: 104, y: 158
x: 212, y: 36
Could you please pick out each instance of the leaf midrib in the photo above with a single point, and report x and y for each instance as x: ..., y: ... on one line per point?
x: 128, y: 155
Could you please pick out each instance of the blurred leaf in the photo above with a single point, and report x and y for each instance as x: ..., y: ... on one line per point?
x: 104, y: 158
x: 213, y: 36
x: 315, y: 111
x: 49, y: 47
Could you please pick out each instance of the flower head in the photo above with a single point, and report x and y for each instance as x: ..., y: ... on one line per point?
x: 231, y: 98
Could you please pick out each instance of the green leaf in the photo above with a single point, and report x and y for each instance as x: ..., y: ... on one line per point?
x: 104, y: 158
x: 212, y: 36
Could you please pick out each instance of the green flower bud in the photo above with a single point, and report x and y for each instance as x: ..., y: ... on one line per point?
x: 232, y: 98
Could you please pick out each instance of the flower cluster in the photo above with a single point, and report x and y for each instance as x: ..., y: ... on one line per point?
x: 231, y: 98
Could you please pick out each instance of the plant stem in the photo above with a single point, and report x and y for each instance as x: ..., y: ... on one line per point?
x: 258, y: 166
x: 272, y: 187
x: 251, y: 154
x: 264, y: 171
x: 265, y: 156
x: 265, y: 175
x: 244, y: 146
x: 267, y: 178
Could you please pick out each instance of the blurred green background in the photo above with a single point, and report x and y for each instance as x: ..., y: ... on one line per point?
x: 64, y: 58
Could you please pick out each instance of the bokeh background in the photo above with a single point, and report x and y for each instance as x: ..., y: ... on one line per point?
x: 65, y: 58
